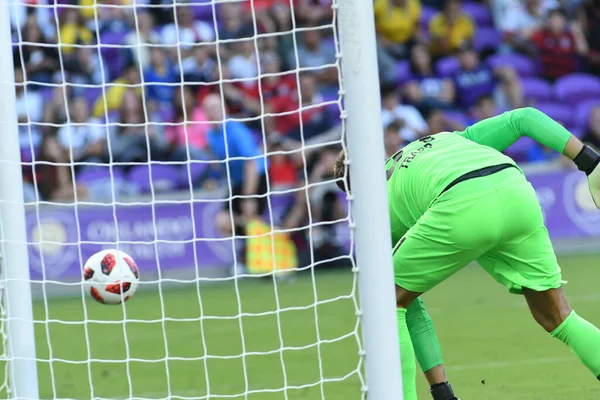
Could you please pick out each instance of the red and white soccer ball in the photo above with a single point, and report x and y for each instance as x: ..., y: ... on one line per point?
x: 111, y: 276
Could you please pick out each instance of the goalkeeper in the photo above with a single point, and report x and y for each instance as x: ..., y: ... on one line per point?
x: 455, y: 198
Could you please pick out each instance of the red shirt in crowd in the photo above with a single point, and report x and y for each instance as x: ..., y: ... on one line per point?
x: 557, y: 52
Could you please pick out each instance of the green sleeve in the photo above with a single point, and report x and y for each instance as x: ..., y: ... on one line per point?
x: 502, y: 131
x: 424, y: 340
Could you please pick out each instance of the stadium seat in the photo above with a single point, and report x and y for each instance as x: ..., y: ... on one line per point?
x: 403, y: 71
x: 575, y: 88
x: 447, y: 66
x: 113, y: 53
x: 486, y: 39
x: 97, y: 173
x: 576, y: 131
x: 479, y: 13
x: 164, y: 177
x: 457, y: 116
x: 427, y: 13
x: 582, y: 112
x: 557, y: 111
x: 197, y: 170
x: 518, y: 151
x: 523, y: 65
x: 92, y: 94
x: 536, y: 90
x: 203, y: 10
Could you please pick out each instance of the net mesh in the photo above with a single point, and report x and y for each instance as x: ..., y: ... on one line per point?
x: 200, y: 138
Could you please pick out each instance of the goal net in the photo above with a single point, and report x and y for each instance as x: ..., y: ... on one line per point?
x: 199, y: 137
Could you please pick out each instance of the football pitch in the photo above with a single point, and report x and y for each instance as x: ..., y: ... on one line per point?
x: 493, y: 349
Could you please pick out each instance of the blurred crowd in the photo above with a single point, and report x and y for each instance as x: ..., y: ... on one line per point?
x: 230, y: 92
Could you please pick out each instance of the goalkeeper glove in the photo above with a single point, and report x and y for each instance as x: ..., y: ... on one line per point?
x: 588, y: 161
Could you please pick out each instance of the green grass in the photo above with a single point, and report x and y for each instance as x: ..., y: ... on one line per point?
x: 487, y: 336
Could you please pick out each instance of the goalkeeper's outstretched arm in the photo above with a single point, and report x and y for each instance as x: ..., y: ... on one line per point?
x: 502, y: 131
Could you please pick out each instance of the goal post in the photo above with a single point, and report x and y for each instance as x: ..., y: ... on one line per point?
x: 200, y: 326
x: 16, y: 296
x: 369, y: 197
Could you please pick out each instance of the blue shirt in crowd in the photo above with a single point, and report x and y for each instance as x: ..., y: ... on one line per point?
x: 240, y: 143
x: 155, y: 91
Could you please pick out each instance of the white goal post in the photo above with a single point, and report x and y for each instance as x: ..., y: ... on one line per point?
x: 195, y: 329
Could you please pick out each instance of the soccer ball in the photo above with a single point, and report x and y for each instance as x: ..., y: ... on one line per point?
x: 112, y: 276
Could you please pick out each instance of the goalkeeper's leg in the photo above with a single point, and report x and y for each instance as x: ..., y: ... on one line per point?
x: 427, y: 350
x: 551, y: 310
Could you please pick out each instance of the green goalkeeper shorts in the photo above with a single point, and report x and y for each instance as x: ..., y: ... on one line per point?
x: 495, y: 220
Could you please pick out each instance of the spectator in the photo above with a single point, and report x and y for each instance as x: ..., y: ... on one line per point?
x: 21, y: 11
x: 438, y: 122
x: 73, y: 31
x: 426, y: 89
x: 392, y: 139
x: 408, y: 118
x: 160, y: 79
x: 474, y: 80
x: 594, y: 40
x: 84, y: 138
x: 243, y: 64
x: 84, y: 67
x: 397, y: 24
x: 592, y: 136
x: 311, y: 119
x: 115, y: 92
x: 198, y: 67
x: 110, y: 19
x: 312, y: 53
x: 485, y: 108
x: 245, y: 164
x: 324, y: 205
x: 558, y: 47
x: 313, y: 12
x: 450, y: 30
x: 54, y: 175
x: 518, y: 22
x: 185, y: 33
x: 138, y: 40
x: 29, y: 104
x: 233, y: 25
x: 190, y: 129
x: 282, y: 17
x: 38, y: 53
x: 134, y: 140
x: 283, y: 171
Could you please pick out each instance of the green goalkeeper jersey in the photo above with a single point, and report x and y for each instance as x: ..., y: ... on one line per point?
x: 421, y: 171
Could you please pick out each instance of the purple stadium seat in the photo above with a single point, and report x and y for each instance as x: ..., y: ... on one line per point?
x: 403, y: 71
x: 97, y: 173
x: 487, y: 38
x: 197, y: 171
x: 427, y: 13
x: 203, y: 10
x: 557, y: 111
x: 91, y: 95
x: 536, y: 90
x: 479, y: 13
x: 447, y: 66
x: 523, y: 65
x: 582, y: 112
x: 457, y: 116
x: 164, y: 177
x: 576, y: 131
x: 518, y: 151
x: 576, y: 88
x: 113, y: 38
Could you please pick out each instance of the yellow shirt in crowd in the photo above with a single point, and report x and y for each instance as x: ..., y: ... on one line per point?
x: 461, y: 31
x: 114, y: 97
x: 397, y: 24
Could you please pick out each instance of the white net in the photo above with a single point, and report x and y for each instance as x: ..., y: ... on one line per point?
x: 163, y: 128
